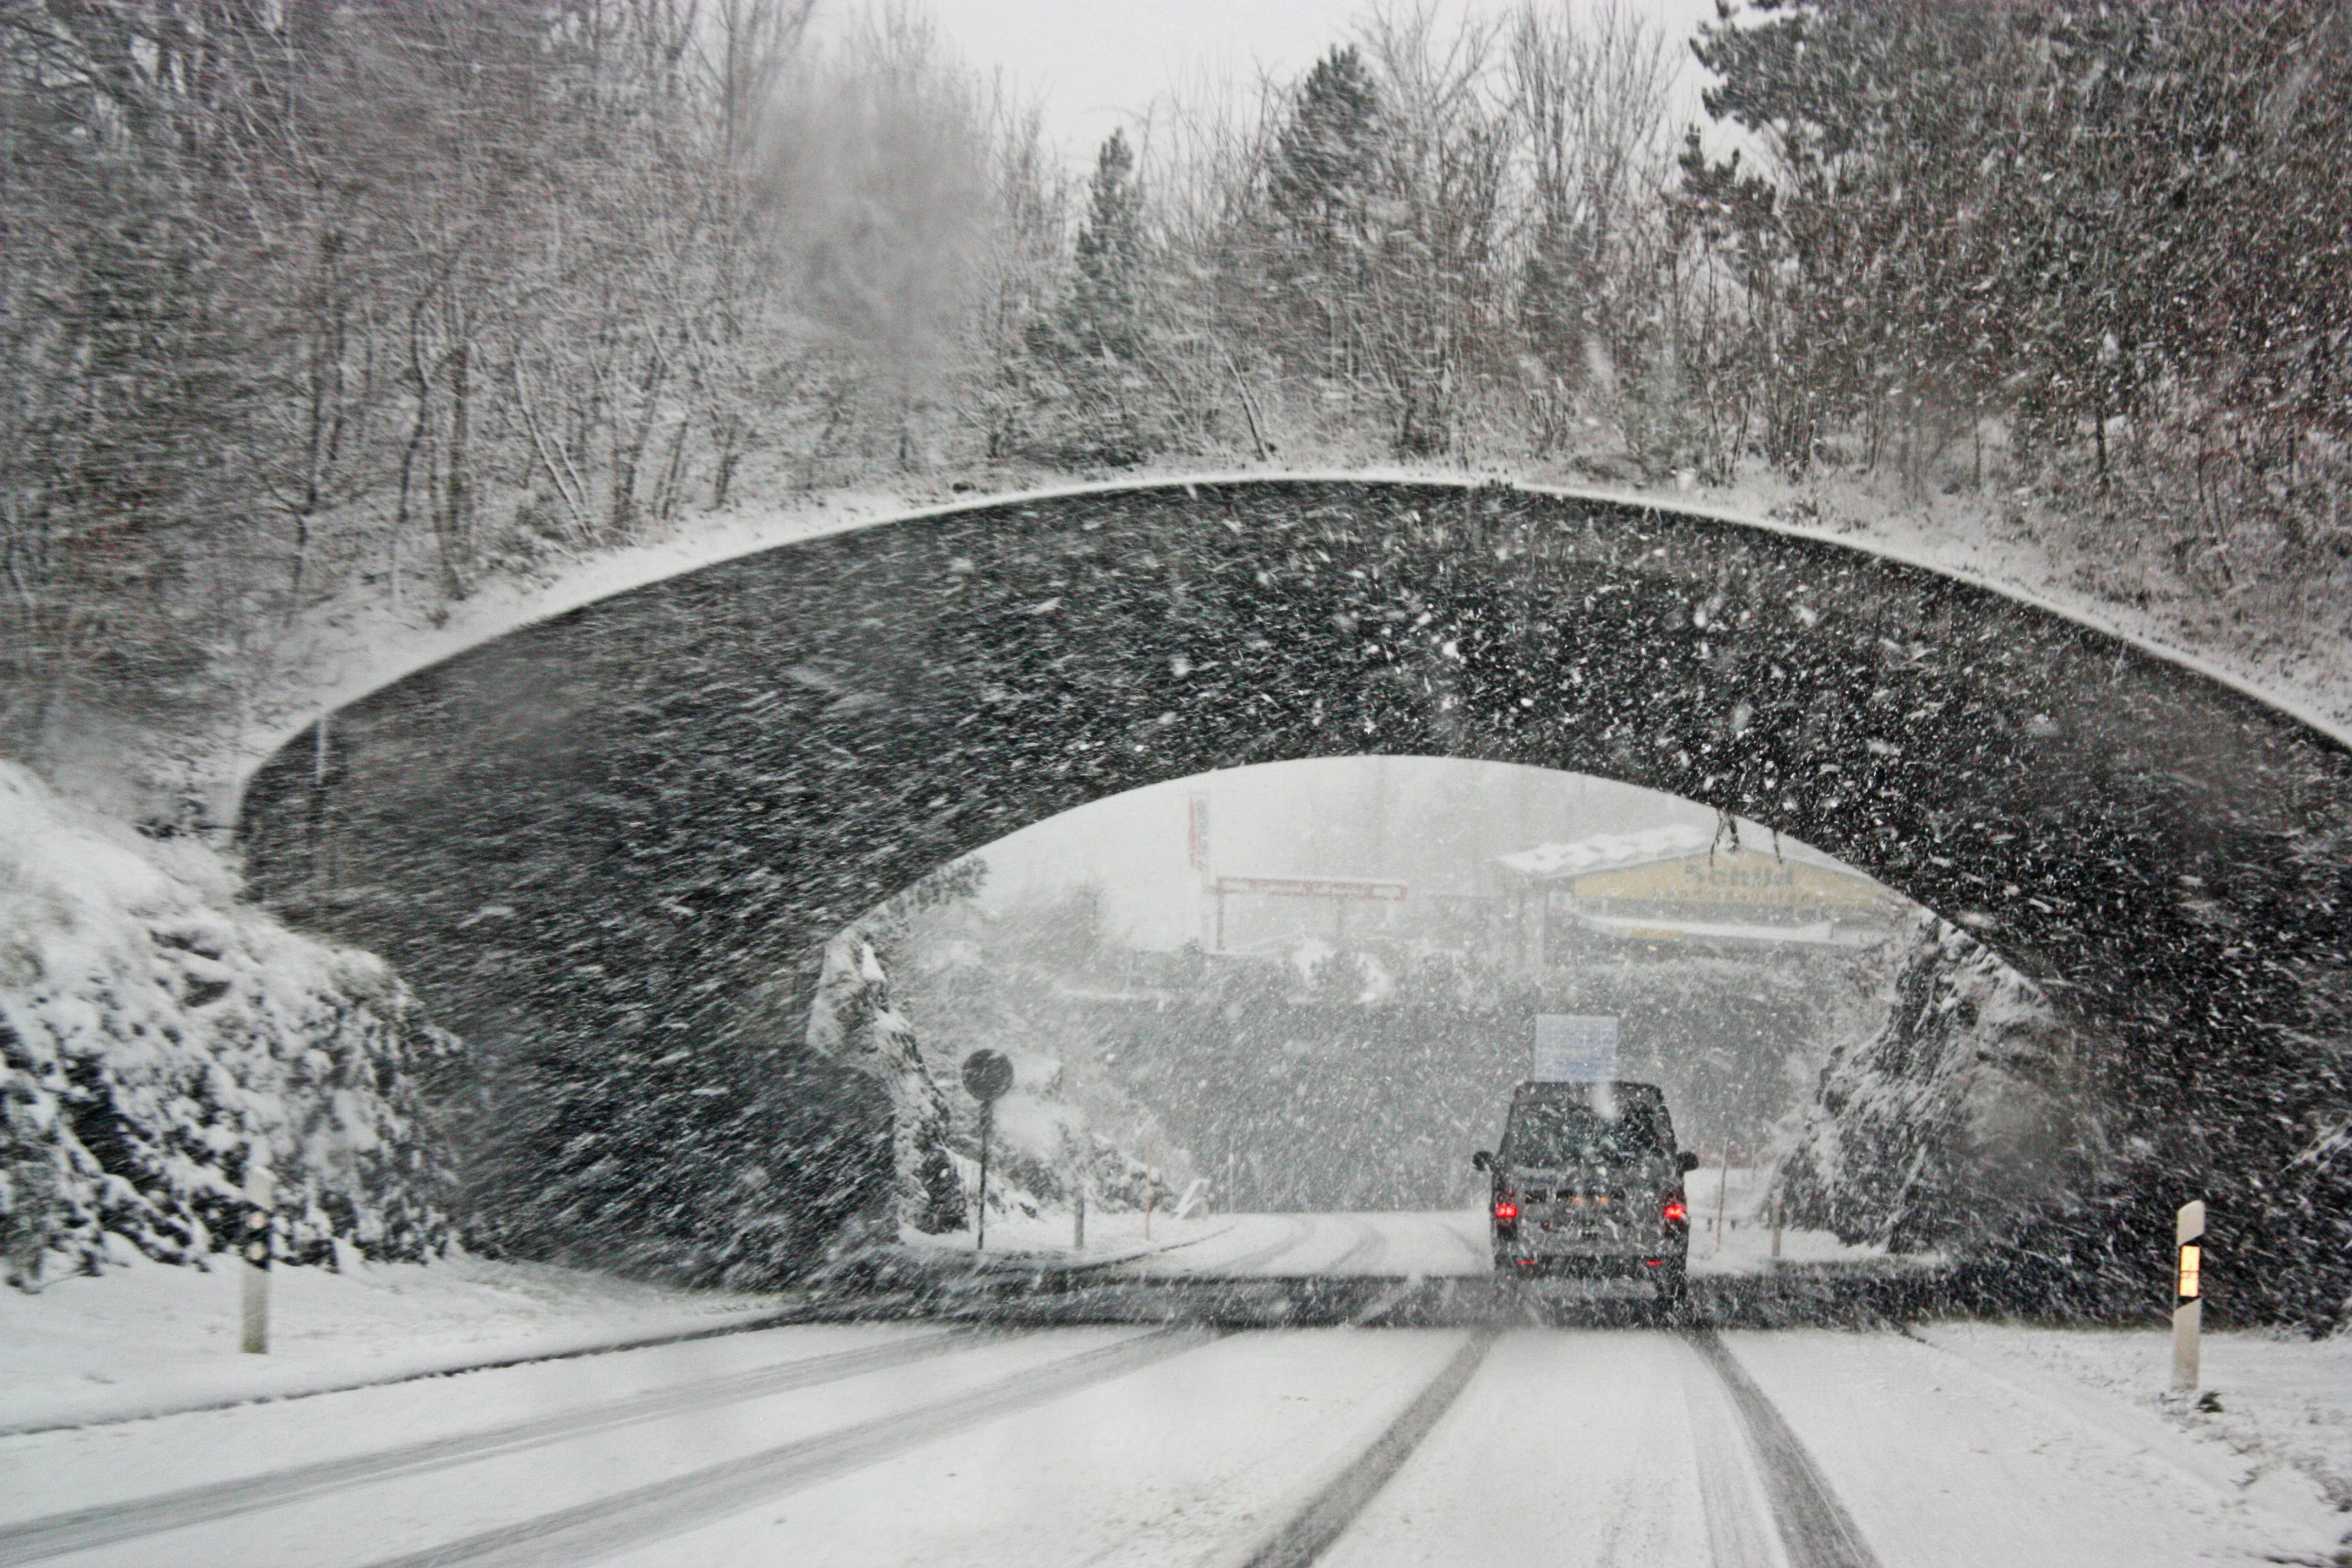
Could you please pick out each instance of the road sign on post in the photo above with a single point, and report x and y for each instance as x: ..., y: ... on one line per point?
x: 261, y: 1197
x: 986, y: 1076
x: 1571, y: 1048
x: 2188, y: 1295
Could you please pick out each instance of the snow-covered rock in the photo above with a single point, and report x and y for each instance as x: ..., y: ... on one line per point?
x: 1959, y: 1117
x: 160, y: 1040
x: 851, y: 1021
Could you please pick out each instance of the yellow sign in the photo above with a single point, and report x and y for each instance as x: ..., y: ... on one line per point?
x: 2192, y: 1259
x: 1735, y: 879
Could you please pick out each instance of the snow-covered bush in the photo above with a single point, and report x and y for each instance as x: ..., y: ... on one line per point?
x: 1961, y: 1116
x: 851, y: 1021
x: 160, y: 1040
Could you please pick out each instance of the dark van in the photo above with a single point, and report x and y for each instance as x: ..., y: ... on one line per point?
x: 1589, y: 1181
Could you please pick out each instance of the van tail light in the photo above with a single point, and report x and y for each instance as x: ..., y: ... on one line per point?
x: 1678, y: 1213
x: 1506, y: 1209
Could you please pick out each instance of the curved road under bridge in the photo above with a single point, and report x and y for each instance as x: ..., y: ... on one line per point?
x: 1544, y: 1430
x: 620, y: 834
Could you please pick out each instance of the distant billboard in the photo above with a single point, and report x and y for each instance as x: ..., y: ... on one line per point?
x: 1575, y: 1048
x: 1732, y: 880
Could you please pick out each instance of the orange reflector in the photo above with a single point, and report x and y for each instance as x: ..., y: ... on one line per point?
x: 2192, y: 1258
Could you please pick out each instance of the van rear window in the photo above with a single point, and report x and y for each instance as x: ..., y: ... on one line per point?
x: 1565, y: 1133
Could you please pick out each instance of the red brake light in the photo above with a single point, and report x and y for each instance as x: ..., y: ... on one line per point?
x: 1505, y: 1209
x: 1676, y: 1214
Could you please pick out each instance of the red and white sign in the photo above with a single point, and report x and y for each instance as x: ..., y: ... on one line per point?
x: 1312, y: 887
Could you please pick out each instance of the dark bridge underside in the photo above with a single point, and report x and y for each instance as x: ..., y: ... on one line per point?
x: 605, y: 837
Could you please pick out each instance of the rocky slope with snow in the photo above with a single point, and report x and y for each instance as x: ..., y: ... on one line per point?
x: 1957, y: 1119
x: 161, y: 1041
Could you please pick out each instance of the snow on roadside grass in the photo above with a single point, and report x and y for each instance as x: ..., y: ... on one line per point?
x: 2283, y: 1421
x: 151, y: 1338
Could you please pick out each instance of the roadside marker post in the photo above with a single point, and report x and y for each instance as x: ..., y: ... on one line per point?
x: 986, y: 1076
x: 261, y: 1195
x: 2188, y: 1295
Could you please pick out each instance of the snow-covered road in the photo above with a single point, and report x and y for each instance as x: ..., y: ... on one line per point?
x: 944, y: 1444
x: 1278, y: 1246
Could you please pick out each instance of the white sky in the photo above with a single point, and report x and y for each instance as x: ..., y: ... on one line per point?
x: 1096, y: 65
x: 1427, y: 821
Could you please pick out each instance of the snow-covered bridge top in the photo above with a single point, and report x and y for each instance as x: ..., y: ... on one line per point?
x: 388, y: 653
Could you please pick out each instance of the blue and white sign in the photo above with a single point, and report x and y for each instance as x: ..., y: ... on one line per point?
x: 1574, y: 1048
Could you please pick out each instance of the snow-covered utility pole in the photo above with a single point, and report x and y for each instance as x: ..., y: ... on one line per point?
x: 261, y: 1195
x: 2188, y: 1295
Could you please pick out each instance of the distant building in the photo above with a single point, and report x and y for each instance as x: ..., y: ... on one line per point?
x: 1673, y: 889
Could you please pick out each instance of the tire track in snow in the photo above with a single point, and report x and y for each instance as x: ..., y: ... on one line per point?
x: 1362, y: 1253
x: 57, y: 1534
x: 1482, y: 1255
x: 1814, y: 1528
x: 665, y: 1508
x: 1310, y: 1531
x: 1298, y: 1230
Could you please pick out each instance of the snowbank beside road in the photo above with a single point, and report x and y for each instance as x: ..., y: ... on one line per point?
x: 150, y: 1339
x: 2278, y: 1421
x: 159, y: 1040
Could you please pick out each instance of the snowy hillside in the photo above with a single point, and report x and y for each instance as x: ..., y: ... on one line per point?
x: 161, y: 1040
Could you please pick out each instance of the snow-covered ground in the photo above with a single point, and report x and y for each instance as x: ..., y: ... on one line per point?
x: 1732, y: 1231
x: 2271, y: 1407
x: 148, y: 1337
x: 879, y: 1444
x: 1399, y: 1245
x: 1978, y: 1444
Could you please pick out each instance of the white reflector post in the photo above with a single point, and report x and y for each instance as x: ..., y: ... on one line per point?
x: 2188, y: 1295
x: 260, y: 1193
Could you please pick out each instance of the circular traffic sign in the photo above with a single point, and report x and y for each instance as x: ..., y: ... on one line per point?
x: 987, y: 1074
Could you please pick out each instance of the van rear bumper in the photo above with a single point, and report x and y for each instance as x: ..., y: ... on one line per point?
x: 1591, y: 1264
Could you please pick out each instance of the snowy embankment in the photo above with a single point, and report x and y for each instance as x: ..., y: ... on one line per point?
x: 147, y: 1339
x: 2273, y: 1416
x: 1953, y: 1121
x: 162, y: 1042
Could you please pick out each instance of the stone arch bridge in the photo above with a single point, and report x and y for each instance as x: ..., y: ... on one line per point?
x: 601, y: 838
